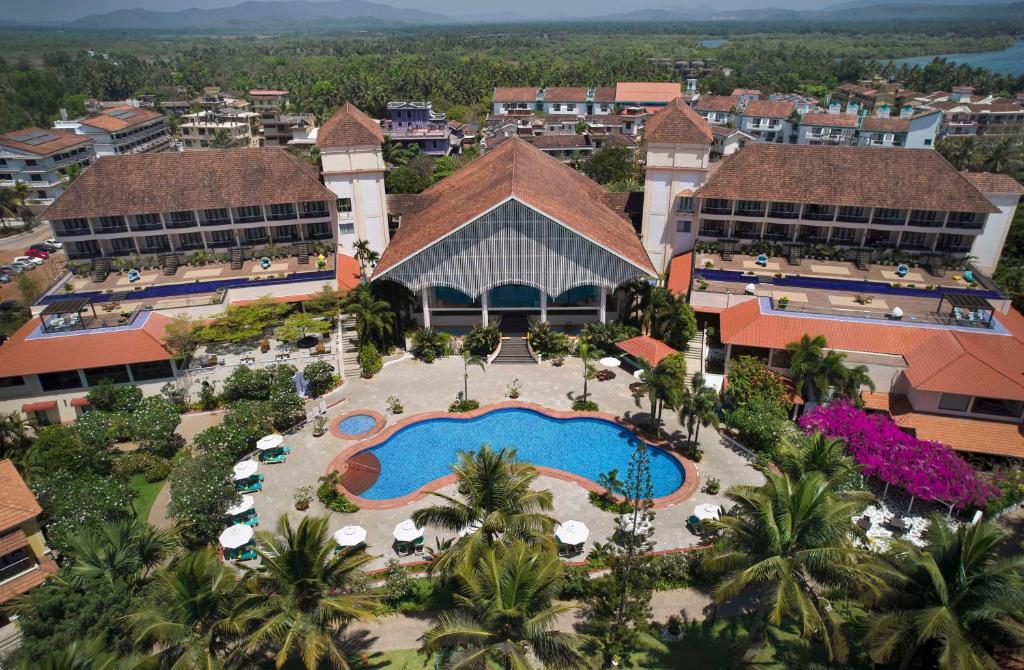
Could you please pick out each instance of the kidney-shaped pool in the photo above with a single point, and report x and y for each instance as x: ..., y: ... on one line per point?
x: 425, y: 450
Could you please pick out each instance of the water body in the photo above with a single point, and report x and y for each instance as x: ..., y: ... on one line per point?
x: 712, y: 44
x: 1005, y: 61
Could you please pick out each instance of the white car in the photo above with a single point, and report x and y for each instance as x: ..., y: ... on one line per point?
x: 28, y: 260
x: 54, y: 243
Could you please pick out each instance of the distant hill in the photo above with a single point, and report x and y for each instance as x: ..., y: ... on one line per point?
x: 265, y: 16
x: 852, y: 10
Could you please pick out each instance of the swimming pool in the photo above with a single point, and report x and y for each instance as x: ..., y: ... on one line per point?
x: 357, y: 424
x: 423, y: 451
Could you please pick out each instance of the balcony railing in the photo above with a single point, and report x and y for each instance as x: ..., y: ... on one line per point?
x: 253, y: 218
x: 972, y: 224
x: 185, y: 223
x: 74, y: 232
x: 888, y: 220
x: 751, y: 212
x: 708, y: 209
x: 257, y: 240
x: 110, y: 230
x: 953, y: 248
x: 819, y: 215
x: 852, y: 217
x: 158, y: 249
x: 779, y: 213
x: 216, y: 222
x: 281, y: 216
x: 925, y: 222
x: 17, y: 567
x: 190, y: 246
x: 325, y: 235
x: 143, y: 227
x: 316, y: 214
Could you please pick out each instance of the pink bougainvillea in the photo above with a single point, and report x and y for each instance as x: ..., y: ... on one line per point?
x: 927, y: 470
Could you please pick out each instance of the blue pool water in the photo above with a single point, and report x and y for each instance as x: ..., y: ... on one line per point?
x: 357, y: 424
x: 425, y: 451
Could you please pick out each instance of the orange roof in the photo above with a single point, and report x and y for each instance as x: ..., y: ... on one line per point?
x: 640, y: 92
x: 680, y: 272
x: 677, y: 123
x: 128, y: 117
x: 264, y: 92
x: 990, y: 182
x: 17, y: 504
x: 29, y: 580
x: 514, y: 94
x: 39, y: 406
x: 48, y: 141
x: 29, y: 352
x: 962, y: 363
x: 647, y: 348
x: 346, y: 271
x: 349, y: 127
x: 837, y: 120
x: 775, y: 109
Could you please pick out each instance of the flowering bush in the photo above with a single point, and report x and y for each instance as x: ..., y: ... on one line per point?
x: 927, y: 470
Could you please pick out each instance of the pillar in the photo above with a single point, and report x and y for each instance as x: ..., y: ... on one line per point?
x: 483, y: 308
x: 425, y: 293
x: 543, y: 305
x: 602, y: 301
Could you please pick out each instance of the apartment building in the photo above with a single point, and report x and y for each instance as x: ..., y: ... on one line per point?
x: 869, y: 93
x: 416, y: 122
x: 999, y: 118
x: 768, y: 120
x: 827, y: 128
x: 281, y: 127
x: 912, y: 129
x: 199, y: 130
x: 651, y: 96
x: 122, y: 130
x: 40, y: 158
x: 515, y: 100
x: 717, y: 110
x: 568, y: 100
x: 25, y: 560
x: 182, y: 202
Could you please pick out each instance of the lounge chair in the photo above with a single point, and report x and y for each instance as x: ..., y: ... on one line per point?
x: 252, y: 521
x: 250, y: 488
x: 693, y: 522
x: 762, y: 260
x: 246, y: 555
x: 969, y: 277
x: 902, y: 271
x: 276, y: 458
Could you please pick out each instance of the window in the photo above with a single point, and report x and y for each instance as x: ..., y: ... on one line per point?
x: 255, y: 234
x: 344, y: 205
x: 115, y: 373
x: 842, y: 234
x: 312, y: 209
x: 123, y: 244
x: 913, y: 239
x: 954, y: 402
x: 927, y: 143
x: 60, y: 381
x: 143, y: 372
x: 998, y: 407
x: 15, y: 563
x: 346, y: 228
x: 111, y: 221
x: 685, y: 204
x: 8, y: 382
x: 223, y: 237
x: 683, y: 226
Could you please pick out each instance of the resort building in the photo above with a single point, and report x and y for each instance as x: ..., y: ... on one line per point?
x: 565, y: 100
x: 41, y: 158
x: 914, y: 129
x: 515, y: 100
x: 868, y: 93
x: 831, y: 128
x: 768, y: 120
x: 122, y: 130
x: 417, y: 123
x: 650, y: 96
x: 25, y: 560
x: 280, y: 126
x: 717, y: 109
x: 1003, y: 118
x: 569, y: 100
x: 198, y: 130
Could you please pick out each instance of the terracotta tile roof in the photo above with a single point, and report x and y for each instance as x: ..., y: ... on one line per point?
x: 680, y: 272
x: 977, y: 107
x: 856, y: 176
x: 17, y: 504
x: 716, y: 103
x: 346, y: 271
x: 403, y: 203
x: 515, y: 94
x: 647, y: 348
x: 12, y: 541
x: 190, y: 180
x: 25, y: 355
x: 63, y: 139
x: 565, y: 94
x: 514, y: 170
x: 990, y: 182
x: 833, y: 120
x: 604, y: 94
x: 746, y: 91
x: 349, y: 127
x: 647, y: 91
x: 267, y: 92
x: 559, y: 141
x: 891, y: 125
x: 39, y: 406
x: 773, y: 109
x: 104, y: 121
x: 677, y: 123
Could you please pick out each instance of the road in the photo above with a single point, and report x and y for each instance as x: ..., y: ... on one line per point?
x: 15, y: 245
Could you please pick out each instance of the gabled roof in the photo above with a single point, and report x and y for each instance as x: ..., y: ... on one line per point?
x: 647, y: 348
x: 677, y: 123
x: 830, y: 120
x: 716, y: 103
x: 565, y: 94
x: 515, y: 94
x: 17, y: 504
x: 40, y: 142
x: 190, y: 180
x: 647, y: 91
x: 838, y: 175
x: 121, y: 117
x: 604, y: 94
x: 773, y: 109
x: 349, y: 127
x: 990, y: 182
x: 947, y: 363
x: 514, y: 170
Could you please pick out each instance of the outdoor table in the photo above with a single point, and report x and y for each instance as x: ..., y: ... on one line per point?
x: 707, y: 511
x: 407, y: 533
x: 864, y: 523
x: 247, y: 504
x: 235, y: 537
x: 897, y: 523
x: 269, y: 442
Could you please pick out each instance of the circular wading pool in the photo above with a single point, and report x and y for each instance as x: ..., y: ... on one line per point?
x: 357, y: 424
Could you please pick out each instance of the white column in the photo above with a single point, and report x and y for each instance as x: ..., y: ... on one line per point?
x: 602, y: 299
x: 426, y: 306
x: 543, y: 305
x: 483, y: 308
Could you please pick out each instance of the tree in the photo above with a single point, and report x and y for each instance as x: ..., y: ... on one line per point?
x: 202, y: 489
x: 242, y: 323
x: 222, y: 139
x: 73, y: 501
x: 12, y: 205
x: 375, y: 321
x: 611, y: 163
x: 14, y: 438
x: 956, y: 603
x: 749, y: 377
x: 699, y: 407
x: 495, y: 496
x: 505, y: 616
x: 821, y: 454
x: 123, y: 550
x: 180, y: 336
x: 298, y: 598
x: 325, y: 303
x: 663, y: 385
x: 29, y: 287
x: 106, y: 396
x: 587, y: 353
x: 299, y: 325
x: 759, y: 422
x: 852, y: 381
x: 467, y: 360
x: 320, y: 376
x: 786, y: 542
x: 814, y: 370
x: 90, y: 655
x: 70, y: 174
x: 153, y: 424
x: 363, y: 252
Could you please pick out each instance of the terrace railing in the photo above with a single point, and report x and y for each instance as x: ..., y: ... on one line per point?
x: 877, y: 315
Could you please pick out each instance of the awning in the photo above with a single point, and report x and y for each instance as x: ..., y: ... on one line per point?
x: 40, y: 406
x: 80, y: 402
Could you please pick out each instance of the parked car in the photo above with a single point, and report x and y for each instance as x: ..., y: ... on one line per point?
x: 28, y: 261
x: 43, y: 246
x: 5, y: 279
x: 11, y: 269
x: 54, y: 243
x: 8, y: 305
x: 37, y: 253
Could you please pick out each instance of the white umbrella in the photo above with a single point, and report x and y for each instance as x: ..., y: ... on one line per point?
x: 707, y: 511
x: 268, y: 442
x: 407, y: 531
x: 610, y: 362
x: 350, y: 536
x: 245, y: 469
x: 642, y: 528
x: 639, y: 374
x: 750, y: 289
x: 248, y: 502
x: 469, y: 528
x: 236, y: 536
x: 572, y: 532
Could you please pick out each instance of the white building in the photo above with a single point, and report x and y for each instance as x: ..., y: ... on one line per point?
x: 122, y: 130
x: 768, y: 120
x: 831, y: 128
x: 198, y: 130
x: 911, y: 130
x: 40, y: 158
x: 717, y: 109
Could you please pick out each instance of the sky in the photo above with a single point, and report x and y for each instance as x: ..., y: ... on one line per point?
x: 66, y: 10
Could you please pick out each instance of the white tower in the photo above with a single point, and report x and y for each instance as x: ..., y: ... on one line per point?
x: 678, y: 156
x: 353, y: 167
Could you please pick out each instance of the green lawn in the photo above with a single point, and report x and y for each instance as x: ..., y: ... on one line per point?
x: 146, y: 494
x: 404, y: 659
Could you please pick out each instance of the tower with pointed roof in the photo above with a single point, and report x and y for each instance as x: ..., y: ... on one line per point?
x: 353, y: 168
x: 678, y: 157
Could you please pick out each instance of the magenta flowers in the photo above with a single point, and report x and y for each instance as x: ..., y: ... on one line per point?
x: 927, y: 470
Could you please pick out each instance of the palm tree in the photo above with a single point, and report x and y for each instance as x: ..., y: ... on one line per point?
x: 362, y: 249
x: 222, y: 139
x: 298, y: 598
x: 1004, y: 156
x: 374, y: 318
x: 495, y: 497
x: 663, y: 384
x: 820, y: 454
x: 467, y: 360
x: 785, y: 541
x: 699, y: 408
x: 90, y: 655
x: 71, y: 174
x: 123, y: 550
x: 14, y: 439
x: 188, y: 614
x: 852, y: 381
x: 12, y: 201
x: 955, y: 604
x: 814, y: 370
x: 587, y: 352
x: 505, y: 616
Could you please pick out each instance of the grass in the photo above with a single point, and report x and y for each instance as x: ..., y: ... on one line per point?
x: 146, y: 493
x: 403, y: 659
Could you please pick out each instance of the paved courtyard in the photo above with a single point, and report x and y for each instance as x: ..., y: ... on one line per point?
x: 422, y: 387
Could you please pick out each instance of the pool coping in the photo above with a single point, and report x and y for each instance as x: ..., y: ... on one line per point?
x: 691, y: 481
x: 379, y: 418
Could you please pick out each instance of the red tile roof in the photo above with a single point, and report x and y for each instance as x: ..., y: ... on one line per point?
x: 641, y: 92
x: 833, y: 120
x: 349, y: 127
x: 892, y: 124
x: 774, y: 109
x: 104, y: 121
x: 346, y: 271
x: 267, y: 92
x: 647, y: 348
x: 64, y: 139
x: 514, y: 170
x: 92, y: 348
x: 515, y: 94
x: 190, y: 180
x: 990, y: 182
x: 17, y: 504
x: 677, y: 123
x: 680, y: 272
x: 855, y: 176
x: 12, y: 541
x: 565, y: 94
x: 746, y: 91
x: 604, y: 94
x: 716, y: 103
x: 39, y: 406
x: 29, y: 580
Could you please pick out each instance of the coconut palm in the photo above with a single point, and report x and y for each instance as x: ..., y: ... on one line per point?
x: 188, y: 615
x: 14, y: 438
x: 297, y: 599
x: 815, y: 370
x: 467, y: 360
x: 494, y: 496
x: 955, y: 604
x: 587, y: 352
x: 123, y: 550
x: 820, y: 454
x: 88, y: 655
x: 222, y: 139
x: 699, y: 407
x: 12, y: 201
x: 362, y: 249
x: 663, y: 385
x: 853, y: 380
x: 1004, y: 156
x: 505, y: 616
x: 71, y: 174
x: 783, y: 543
x: 374, y: 319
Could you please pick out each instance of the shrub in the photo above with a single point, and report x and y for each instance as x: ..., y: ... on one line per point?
x: 208, y: 398
x: 466, y: 405
x: 581, y: 405
x: 202, y: 490
x: 61, y: 448
x: 759, y: 422
x: 320, y: 376
x: 713, y: 486
x: 749, y: 376
x: 575, y: 583
x: 605, y: 503
x: 327, y: 493
x: 429, y: 344
x: 370, y: 361
x: 110, y: 397
x: 547, y: 342
x: 73, y: 500
x: 303, y: 497
x: 1011, y: 487
x: 672, y: 571
x: 604, y: 336
x: 153, y: 467
x: 394, y: 405
x: 482, y: 340
x: 399, y: 587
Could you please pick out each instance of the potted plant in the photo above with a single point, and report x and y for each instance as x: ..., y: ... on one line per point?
x: 394, y: 405
x: 320, y: 348
x: 512, y: 390
x: 303, y: 497
x: 319, y: 425
x: 558, y: 361
x: 783, y: 302
x: 673, y: 629
x: 713, y: 486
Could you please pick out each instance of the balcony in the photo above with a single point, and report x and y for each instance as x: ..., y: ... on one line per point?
x: 256, y: 241
x: 815, y: 213
x: 183, y: 223
x: 287, y: 215
x: 852, y: 215
x: 889, y: 220
x: 111, y: 230
x: 322, y: 235
x: 74, y: 232
x: 925, y: 221
x: 750, y: 211
x: 251, y: 218
x: 223, y: 221
x: 783, y: 212
x: 315, y: 214
x: 716, y: 209
x: 157, y: 249
x: 967, y: 223
x: 190, y: 246
x: 144, y: 227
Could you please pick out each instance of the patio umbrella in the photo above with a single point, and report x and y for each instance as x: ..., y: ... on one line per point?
x: 350, y: 536
x: 639, y: 374
x: 236, y: 536
x: 469, y: 528
x: 707, y: 511
x: 268, y: 442
x: 245, y: 469
x: 750, y: 289
x: 248, y: 502
x: 610, y: 362
x: 642, y: 528
x: 572, y: 532
x: 407, y: 531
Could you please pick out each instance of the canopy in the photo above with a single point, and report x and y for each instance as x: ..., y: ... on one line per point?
x: 407, y: 531
x: 572, y: 532
x: 643, y: 528
x: 248, y: 502
x: 245, y: 469
x: 268, y: 442
x: 350, y: 536
x: 236, y: 536
x: 707, y: 511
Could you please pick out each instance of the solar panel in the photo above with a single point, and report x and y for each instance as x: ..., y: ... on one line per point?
x: 122, y: 114
x: 23, y: 137
x: 41, y: 139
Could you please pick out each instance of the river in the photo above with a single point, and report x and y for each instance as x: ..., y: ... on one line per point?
x: 1005, y: 61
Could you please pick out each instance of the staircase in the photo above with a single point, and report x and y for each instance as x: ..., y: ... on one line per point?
x: 170, y: 264
x: 303, y: 251
x: 100, y: 269
x: 694, y: 356
x: 237, y: 258
x: 513, y: 341
x: 349, y: 347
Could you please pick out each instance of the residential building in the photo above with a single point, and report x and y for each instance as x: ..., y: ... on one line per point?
x: 198, y: 130
x: 727, y: 141
x: 122, y: 130
x: 280, y: 126
x: 603, y: 100
x: 417, y: 123
x: 746, y: 95
x: 997, y: 118
x: 566, y: 100
x: 717, y: 109
x: 648, y: 95
x: 832, y: 128
x: 516, y: 100
x: 173, y: 203
x: 40, y: 158
x: 768, y: 120
x: 568, y: 147
x: 871, y: 92
x: 25, y: 560
x: 911, y: 130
